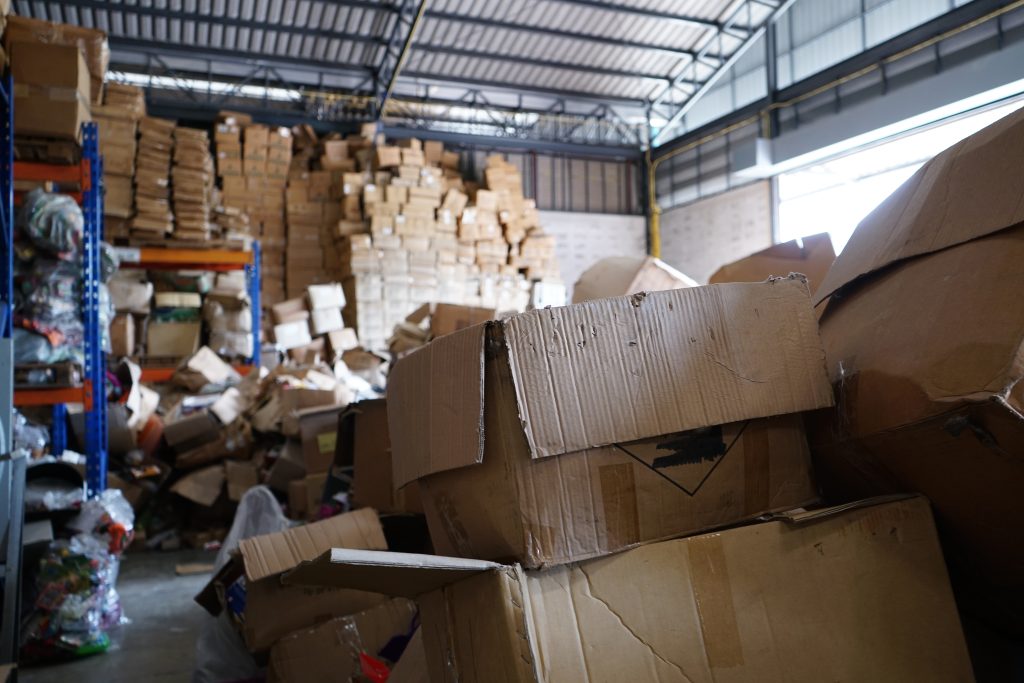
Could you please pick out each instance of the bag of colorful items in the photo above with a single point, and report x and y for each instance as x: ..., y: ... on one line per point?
x: 76, y: 602
x: 48, y: 276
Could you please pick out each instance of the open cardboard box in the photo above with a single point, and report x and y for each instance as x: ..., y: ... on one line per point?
x: 249, y: 585
x: 924, y: 334
x: 568, y: 433
x: 853, y: 593
x: 811, y: 256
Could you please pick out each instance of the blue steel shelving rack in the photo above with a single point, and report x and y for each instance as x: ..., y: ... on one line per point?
x: 12, y: 471
x: 92, y: 394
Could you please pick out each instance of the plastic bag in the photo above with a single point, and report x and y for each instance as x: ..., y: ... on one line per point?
x: 53, y: 222
x: 30, y: 347
x: 221, y: 654
x: 28, y: 436
x: 76, y: 600
x: 109, y: 262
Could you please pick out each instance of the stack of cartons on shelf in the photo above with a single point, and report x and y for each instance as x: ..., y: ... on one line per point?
x: 265, y: 159
x: 153, y: 217
x: 192, y: 184
x: 117, y: 120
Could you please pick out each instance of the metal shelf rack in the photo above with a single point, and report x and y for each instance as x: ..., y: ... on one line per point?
x: 88, y: 175
x: 219, y: 260
x: 12, y: 471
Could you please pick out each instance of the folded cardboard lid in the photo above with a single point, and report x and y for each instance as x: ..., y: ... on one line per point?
x: 811, y: 256
x: 275, y: 553
x: 970, y: 190
x: 396, y: 574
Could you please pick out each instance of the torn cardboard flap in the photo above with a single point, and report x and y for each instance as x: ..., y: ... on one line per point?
x: 811, y: 256
x: 970, y: 190
x: 275, y: 553
x: 398, y: 574
x: 437, y: 395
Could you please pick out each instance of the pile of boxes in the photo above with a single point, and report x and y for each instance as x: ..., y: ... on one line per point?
x: 313, y: 204
x: 623, y: 511
x: 227, y: 310
x: 153, y: 218
x: 311, y: 328
x: 252, y: 164
x: 117, y: 120
x: 192, y: 184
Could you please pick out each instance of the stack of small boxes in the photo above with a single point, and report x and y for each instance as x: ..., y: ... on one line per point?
x: 117, y: 120
x: 227, y: 310
x: 192, y: 184
x: 312, y: 206
x: 153, y: 217
x: 311, y: 327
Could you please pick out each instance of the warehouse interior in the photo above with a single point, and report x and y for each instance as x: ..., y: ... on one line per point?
x: 424, y: 341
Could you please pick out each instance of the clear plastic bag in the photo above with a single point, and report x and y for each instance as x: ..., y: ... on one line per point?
x: 28, y: 436
x: 53, y: 222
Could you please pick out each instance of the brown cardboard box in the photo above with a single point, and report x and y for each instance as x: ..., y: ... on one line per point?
x: 122, y: 335
x: 923, y: 337
x: 857, y: 594
x: 203, y: 486
x: 621, y: 275
x: 173, y: 340
x: 448, y: 318
x: 811, y: 256
x: 317, y: 429
x: 388, y: 156
x: 304, y: 495
x: 363, y: 445
x: 51, y: 90
x: 119, y: 196
x: 90, y: 42
x: 241, y: 476
x: 648, y: 404
x: 324, y: 653
x: 290, y: 311
x: 273, y: 610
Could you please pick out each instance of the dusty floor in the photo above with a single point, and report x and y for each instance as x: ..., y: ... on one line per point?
x: 159, y: 643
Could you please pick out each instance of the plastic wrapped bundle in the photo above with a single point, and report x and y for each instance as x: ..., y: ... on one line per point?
x: 50, y: 304
x: 109, y: 262
x: 76, y: 601
x: 53, y: 222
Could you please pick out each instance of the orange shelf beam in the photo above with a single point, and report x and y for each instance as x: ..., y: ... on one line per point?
x: 185, y: 259
x: 54, y: 173
x: 49, y: 397
x: 158, y: 374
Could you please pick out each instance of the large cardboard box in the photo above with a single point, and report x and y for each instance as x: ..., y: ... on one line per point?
x: 568, y: 433
x: 844, y: 594
x: 249, y: 586
x: 172, y: 340
x: 621, y: 275
x: 364, y: 446
x: 90, y: 42
x: 811, y: 256
x: 51, y: 90
x: 923, y: 335
x: 329, y: 652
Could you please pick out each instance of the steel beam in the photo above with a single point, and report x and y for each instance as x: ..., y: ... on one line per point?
x: 403, y: 32
x: 463, y: 140
x: 556, y: 33
x: 641, y: 12
x: 221, y: 20
x: 544, y: 63
x: 525, y: 88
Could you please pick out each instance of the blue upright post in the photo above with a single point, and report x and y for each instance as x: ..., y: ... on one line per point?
x: 253, y: 278
x: 59, y: 429
x: 95, y: 370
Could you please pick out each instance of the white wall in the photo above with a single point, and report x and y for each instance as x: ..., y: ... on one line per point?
x: 584, y: 238
x: 699, y: 238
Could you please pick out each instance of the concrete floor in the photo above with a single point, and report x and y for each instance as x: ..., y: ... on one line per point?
x: 159, y: 643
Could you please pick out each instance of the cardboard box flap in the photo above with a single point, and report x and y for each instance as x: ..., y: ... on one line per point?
x: 628, y: 368
x: 272, y: 554
x: 435, y: 403
x: 802, y: 516
x: 811, y: 256
x: 396, y: 574
x: 970, y: 190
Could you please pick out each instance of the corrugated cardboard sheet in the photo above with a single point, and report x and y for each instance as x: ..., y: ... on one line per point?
x: 970, y: 190
x: 811, y: 256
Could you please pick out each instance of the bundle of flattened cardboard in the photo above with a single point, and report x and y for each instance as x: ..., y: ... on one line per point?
x: 616, y: 490
x: 117, y: 121
x: 153, y: 218
x: 192, y: 184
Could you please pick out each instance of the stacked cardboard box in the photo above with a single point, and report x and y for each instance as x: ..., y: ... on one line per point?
x: 227, y: 310
x: 90, y: 43
x: 311, y: 328
x: 192, y: 181
x: 51, y: 97
x: 117, y: 120
x: 153, y: 217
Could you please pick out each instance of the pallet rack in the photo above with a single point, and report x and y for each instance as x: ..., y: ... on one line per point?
x: 88, y: 175
x: 219, y: 260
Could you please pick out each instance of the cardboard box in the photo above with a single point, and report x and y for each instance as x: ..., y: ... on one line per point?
x: 290, y: 311
x: 363, y: 445
x: 204, y: 368
x: 448, y: 318
x: 341, y: 341
x: 649, y: 403
x: 317, y: 429
x: 330, y: 295
x: 90, y: 42
x: 202, y: 487
x: 857, y: 594
x: 324, y: 653
x: 269, y: 610
x: 122, y: 335
x: 621, y: 275
x: 241, y: 476
x: 292, y: 335
x: 173, y: 340
x: 388, y: 156
x: 51, y: 90
x: 922, y: 333
x: 811, y: 256
x: 304, y: 495
x: 130, y: 292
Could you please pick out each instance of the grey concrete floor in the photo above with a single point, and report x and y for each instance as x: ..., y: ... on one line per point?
x: 159, y: 643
